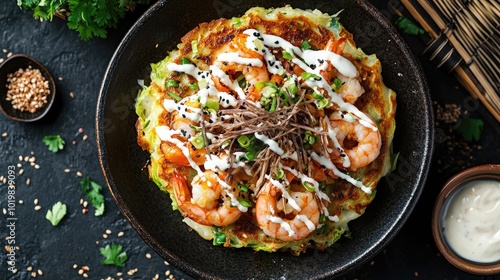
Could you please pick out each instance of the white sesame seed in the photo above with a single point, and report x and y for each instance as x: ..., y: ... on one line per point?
x: 60, y: 78
x: 4, y: 211
x: 2, y: 60
x: 148, y: 255
x: 9, y: 54
x: 85, y: 203
x: 21, y: 201
x: 79, y: 174
x: 5, y: 134
x: 21, y: 172
x: 30, y: 268
x: 37, y: 166
x: 19, y: 165
x: 72, y: 95
x: 28, y: 181
x: 85, y: 137
x: 86, y: 268
x: 119, y: 274
x: 40, y: 272
x: 33, y: 274
x: 120, y: 234
x: 20, y: 158
x: 105, y: 236
x: 80, y: 271
x: 85, y: 275
x: 26, y: 158
x: 67, y: 170
x: 166, y: 263
x: 4, y: 50
x: 35, y: 201
x: 38, y: 207
x: 75, y: 266
x: 108, y: 231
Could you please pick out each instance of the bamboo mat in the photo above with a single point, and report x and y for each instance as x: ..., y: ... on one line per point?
x: 466, y: 41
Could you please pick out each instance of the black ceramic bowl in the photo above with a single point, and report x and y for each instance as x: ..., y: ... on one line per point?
x: 11, y: 65
x: 149, y: 210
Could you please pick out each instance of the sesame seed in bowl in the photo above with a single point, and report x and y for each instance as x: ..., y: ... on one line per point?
x: 27, y: 90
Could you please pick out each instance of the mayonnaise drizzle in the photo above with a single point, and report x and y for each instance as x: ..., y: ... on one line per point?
x: 327, y: 163
x: 165, y: 134
x: 284, y: 192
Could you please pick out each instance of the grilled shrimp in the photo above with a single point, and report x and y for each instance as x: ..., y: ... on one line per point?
x: 206, y: 203
x: 288, y: 223
x: 350, y: 90
x: 172, y: 152
x: 361, y: 144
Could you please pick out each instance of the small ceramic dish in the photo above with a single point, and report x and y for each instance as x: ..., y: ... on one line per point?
x: 11, y: 65
x: 459, y: 190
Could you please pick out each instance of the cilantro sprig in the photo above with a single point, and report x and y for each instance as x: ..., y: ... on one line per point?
x: 57, y: 213
x: 90, y: 18
x: 113, y: 255
x: 94, y: 196
x: 470, y: 128
x: 408, y: 26
x: 54, y: 142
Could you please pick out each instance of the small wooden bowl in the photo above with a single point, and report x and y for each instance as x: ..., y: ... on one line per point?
x: 11, y: 65
x: 481, y: 172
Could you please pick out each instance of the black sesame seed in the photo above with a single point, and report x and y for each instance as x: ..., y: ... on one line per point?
x: 322, y: 166
x: 183, y: 116
x: 313, y: 66
x: 277, y: 42
x: 256, y: 34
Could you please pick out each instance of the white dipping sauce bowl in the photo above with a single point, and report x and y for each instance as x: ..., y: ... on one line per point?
x: 451, y: 191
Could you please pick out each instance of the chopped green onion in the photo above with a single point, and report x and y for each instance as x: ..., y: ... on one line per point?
x: 309, y: 137
x: 280, y: 174
x: 198, y: 141
x: 193, y: 85
x: 287, y: 55
x: 202, y: 83
x: 258, y: 44
x: 274, y: 103
x: 269, y: 91
x: 241, y: 81
x: 250, y: 155
x: 244, y: 141
x: 147, y: 123
x: 225, y: 144
x: 194, y: 47
x: 236, y: 21
x: 242, y: 188
x: 307, y: 75
x: 305, y: 45
x: 185, y: 61
x: 337, y: 83
x: 322, y: 218
x: 323, y: 103
x: 245, y: 202
x: 316, y: 95
x: 212, y: 104
x: 174, y: 96
x: 262, y: 84
x: 195, y: 128
x: 292, y: 88
x: 308, y: 186
x: 171, y: 83
x: 220, y: 237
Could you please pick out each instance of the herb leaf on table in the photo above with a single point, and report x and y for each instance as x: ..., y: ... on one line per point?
x: 114, y: 255
x: 94, y: 196
x: 54, y: 142
x: 57, y: 213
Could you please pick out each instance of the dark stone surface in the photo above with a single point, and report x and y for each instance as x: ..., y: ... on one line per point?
x: 81, y: 65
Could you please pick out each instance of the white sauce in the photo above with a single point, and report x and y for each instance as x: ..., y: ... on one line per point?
x: 472, y: 221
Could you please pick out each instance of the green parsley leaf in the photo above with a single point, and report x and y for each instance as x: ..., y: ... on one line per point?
x: 54, y: 142
x: 470, y: 129
x: 94, y: 196
x: 57, y: 213
x: 113, y: 255
x: 408, y: 26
